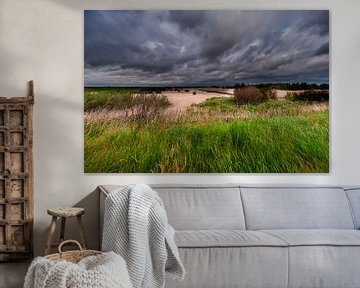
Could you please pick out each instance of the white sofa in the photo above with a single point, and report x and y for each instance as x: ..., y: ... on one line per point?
x: 264, y: 237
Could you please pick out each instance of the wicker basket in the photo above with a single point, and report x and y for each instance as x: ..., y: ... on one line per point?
x: 72, y: 256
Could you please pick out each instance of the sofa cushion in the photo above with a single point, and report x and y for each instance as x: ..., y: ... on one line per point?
x: 322, y: 258
x: 226, y: 238
x: 220, y: 267
x: 354, y: 198
x: 324, y: 266
x: 204, y: 208
x: 317, y: 237
x: 296, y: 208
x: 198, y: 206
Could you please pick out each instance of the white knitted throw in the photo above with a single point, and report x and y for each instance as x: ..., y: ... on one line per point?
x: 103, y: 271
x: 136, y: 227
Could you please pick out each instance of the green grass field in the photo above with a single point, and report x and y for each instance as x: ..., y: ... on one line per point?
x: 275, y: 137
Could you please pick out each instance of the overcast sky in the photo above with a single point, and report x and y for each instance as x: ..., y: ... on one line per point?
x: 140, y: 48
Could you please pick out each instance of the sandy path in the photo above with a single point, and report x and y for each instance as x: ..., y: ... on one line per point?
x: 181, y: 101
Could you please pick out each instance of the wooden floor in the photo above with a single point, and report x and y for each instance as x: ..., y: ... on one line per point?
x: 12, y: 274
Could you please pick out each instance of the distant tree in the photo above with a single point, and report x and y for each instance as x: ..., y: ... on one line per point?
x: 294, y: 86
x: 237, y: 85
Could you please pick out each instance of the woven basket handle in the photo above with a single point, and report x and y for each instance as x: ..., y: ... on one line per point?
x: 69, y: 241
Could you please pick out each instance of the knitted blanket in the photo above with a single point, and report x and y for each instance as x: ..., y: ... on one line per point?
x: 136, y: 227
x: 102, y: 271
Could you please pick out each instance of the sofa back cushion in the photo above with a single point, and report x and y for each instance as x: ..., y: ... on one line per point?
x: 203, y: 208
x: 199, y: 207
x: 296, y: 208
x: 354, y: 198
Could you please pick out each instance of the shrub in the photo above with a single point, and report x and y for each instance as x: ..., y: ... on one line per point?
x: 309, y: 95
x: 187, y: 90
x: 268, y: 93
x: 194, y: 92
x: 119, y: 101
x: 145, y: 107
x: 248, y: 95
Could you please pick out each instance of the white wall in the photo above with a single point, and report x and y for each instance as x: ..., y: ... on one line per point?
x: 43, y: 40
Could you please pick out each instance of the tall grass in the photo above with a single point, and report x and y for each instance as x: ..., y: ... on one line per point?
x: 267, y: 109
x: 285, y: 144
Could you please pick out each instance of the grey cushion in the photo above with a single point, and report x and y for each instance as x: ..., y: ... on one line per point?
x: 199, y: 207
x: 354, y: 198
x: 237, y: 267
x: 225, y: 238
x: 322, y: 258
x: 296, y: 208
x: 191, y: 208
x: 318, y: 237
x: 324, y: 267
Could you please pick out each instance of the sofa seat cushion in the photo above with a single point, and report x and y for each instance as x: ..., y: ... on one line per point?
x: 235, y: 267
x: 317, y: 237
x: 322, y: 258
x: 226, y: 238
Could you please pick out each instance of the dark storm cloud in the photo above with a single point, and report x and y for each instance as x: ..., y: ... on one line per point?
x: 318, y: 21
x: 205, y: 47
x: 324, y: 49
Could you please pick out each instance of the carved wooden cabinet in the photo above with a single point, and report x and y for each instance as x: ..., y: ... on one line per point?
x: 16, y: 177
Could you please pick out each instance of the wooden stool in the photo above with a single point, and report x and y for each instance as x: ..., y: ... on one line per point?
x: 64, y: 213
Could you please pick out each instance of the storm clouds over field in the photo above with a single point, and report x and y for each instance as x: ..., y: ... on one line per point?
x: 131, y: 48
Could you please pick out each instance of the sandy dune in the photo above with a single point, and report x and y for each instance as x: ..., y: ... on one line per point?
x: 181, y: 101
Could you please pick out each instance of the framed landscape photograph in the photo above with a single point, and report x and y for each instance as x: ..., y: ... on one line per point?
x: 205, y: 91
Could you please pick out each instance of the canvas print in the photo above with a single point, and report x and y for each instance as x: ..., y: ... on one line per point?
x: 206, y: 91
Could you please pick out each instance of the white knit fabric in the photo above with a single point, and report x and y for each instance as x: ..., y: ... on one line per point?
x: 136, y: 227
x: 103, y: 271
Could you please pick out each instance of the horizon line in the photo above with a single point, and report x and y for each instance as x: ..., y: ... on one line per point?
x: 195, y: 86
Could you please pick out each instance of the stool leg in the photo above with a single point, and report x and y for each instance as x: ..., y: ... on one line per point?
x: 62, y: 231
x: 82, y: 232
x: 51, y: 235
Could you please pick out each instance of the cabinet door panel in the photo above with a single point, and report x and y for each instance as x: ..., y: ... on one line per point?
x: 16, y: 183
